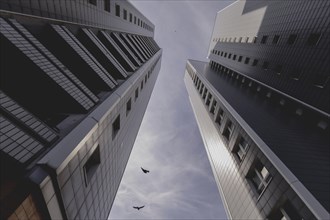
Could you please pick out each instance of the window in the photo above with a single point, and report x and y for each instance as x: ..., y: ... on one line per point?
x: 145, y: 79
x: 240, y: 149
x: 295, y: 74
x: 91, y: 165
x: 285, y: 211
x: 234, y: 57
x: 93, y: 2
x: 204, y: 94
x: 247, y: 60
x: 213, y: 106
x: 125, y: 14
x: 225, y: 55
x: 222, y: 53
x: 118, y: 10
x: 115, y: 127
x: 141, y: 85
x: 130, y: 17
x: 219, y: 117
x: 107, y: 5
x: 313, y: 39
x: 259, y: 177
x: 240, y: 40
x: 292, y: 39
x: 247, y: 40
x: 208, y: 100
x: 228, y: 130
x: 134, y: 19
x: 136, y: 93
x: 276, y: 39
x: 255, y: 62
x: 264, y: 39
x: 255, y: 39
x: 265, y: 66
x: 128, y: 106
x: 138, y: 21
x: 278, y: 69
x: 320, y: 80
x: 229, y: 56
x: 240, y: 58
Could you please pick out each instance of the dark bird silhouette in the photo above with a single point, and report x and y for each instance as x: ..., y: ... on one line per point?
x: 137, y: 207
x: 144, y: 170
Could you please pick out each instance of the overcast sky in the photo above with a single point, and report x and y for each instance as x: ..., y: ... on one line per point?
x: 180, y: 184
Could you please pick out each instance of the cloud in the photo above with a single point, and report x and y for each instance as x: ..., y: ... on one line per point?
x: 180, y: 184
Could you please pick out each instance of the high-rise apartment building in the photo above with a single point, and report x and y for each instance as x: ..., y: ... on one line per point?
x: 76, y: 78
x: 262, y: 107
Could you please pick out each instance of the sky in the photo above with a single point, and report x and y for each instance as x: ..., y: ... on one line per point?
x: 180, y: 184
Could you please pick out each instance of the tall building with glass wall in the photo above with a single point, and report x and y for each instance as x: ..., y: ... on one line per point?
x: 76, y: 78
x: 262, y: 107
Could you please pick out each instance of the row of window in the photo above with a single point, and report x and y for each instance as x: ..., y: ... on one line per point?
x: 132, y: 18
x: 94, y: 160
x: 258, y: 175
x: 312, y: 40
x: 269, y: 94
x: 125, y: 14
x: 319, y: 80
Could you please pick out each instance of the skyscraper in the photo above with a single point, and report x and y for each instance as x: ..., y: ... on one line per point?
x: 76, y: 78
x: 262, y: 107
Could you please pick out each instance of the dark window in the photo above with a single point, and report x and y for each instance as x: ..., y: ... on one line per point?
x: 107, y: 5
x: 136, y: 93
x: 115, y: 127
x: 134, y: 20
x: 218, y: 52
x: 118, y: 10
x: 145, y: 79
x: 278, y: 69
x: 264, y: 39
x: 93, y: 2
x: 247, y: 40
x: 265, y: 66
x: 213, y: 106
x: 225, y: 55
x: 141, y: 85
x: 320, y: 80
x: 138, y: 21
x: 292, y: 39
x: 228, y: 130
x: 91, y: 165
x: 128, y: 106
x: 219, y: 117
x: 208, y: 100
x: 125, y: 14
x: 295, y: 74
x: 240, y: 40
x: 204, y: 94
x: 222, y: 53
x: 259, y: 176
x: 240, y: 149
x: 284, y: 211
x: 255, y: 39
x: 130, y: 17
x: 276, y: 39
x: 234, y: 57
x: 255, y: 62
x: 313, y: 39
x: 229, y: 56
x: 247, y: 60
x: 240, y: 58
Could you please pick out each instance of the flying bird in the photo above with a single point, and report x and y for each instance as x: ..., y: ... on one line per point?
x: 144, y: 170
x: 137, y: 207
